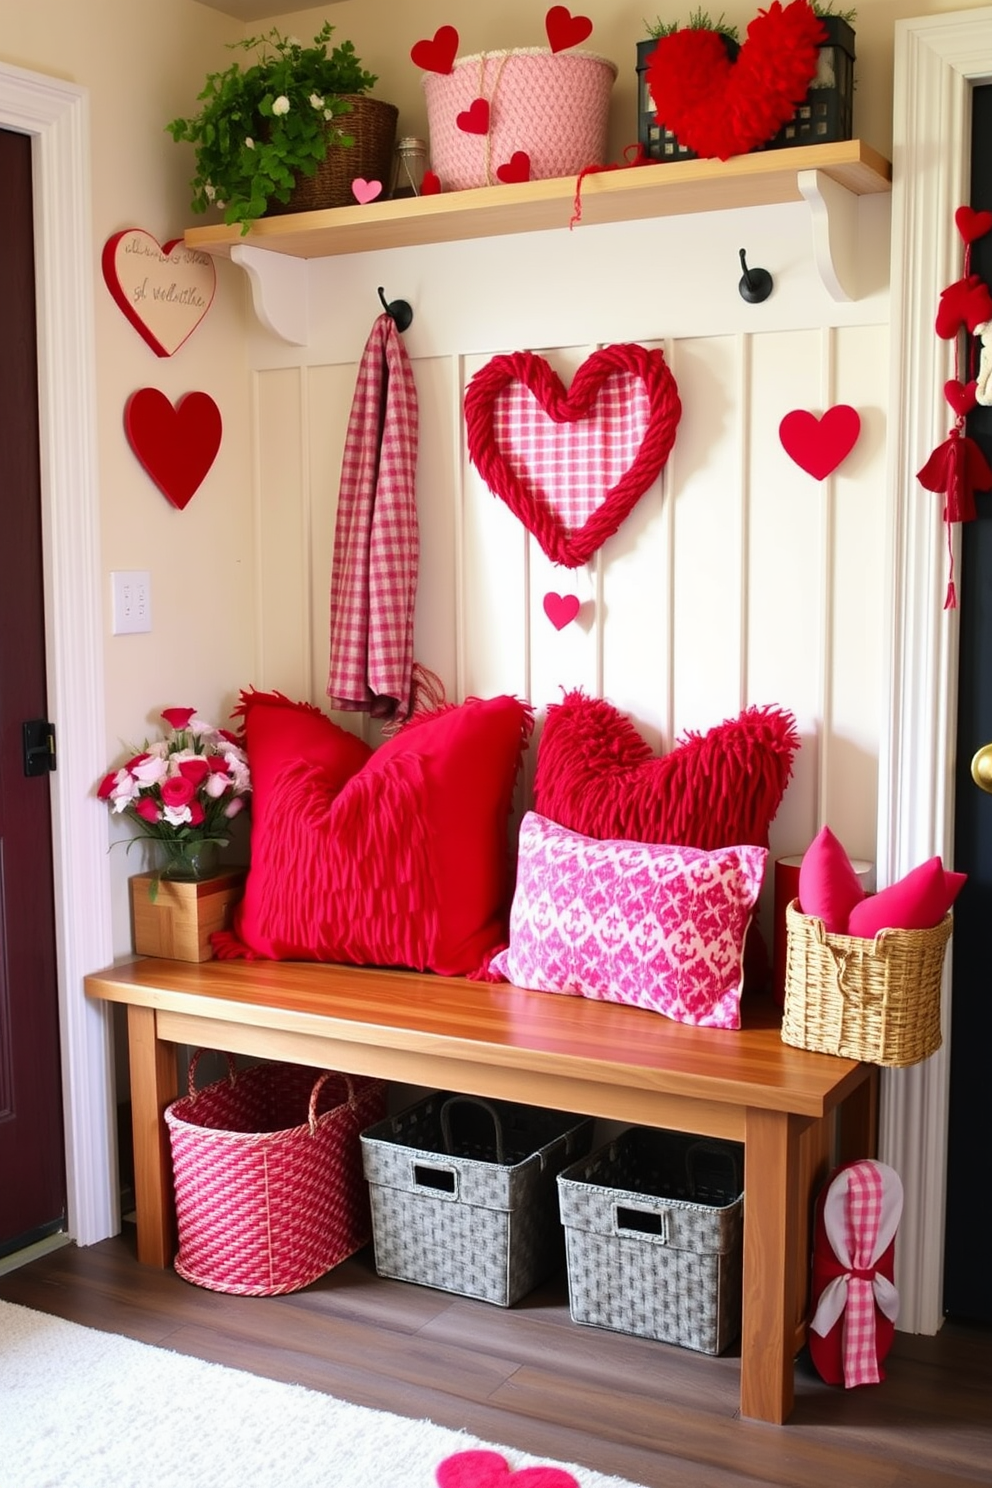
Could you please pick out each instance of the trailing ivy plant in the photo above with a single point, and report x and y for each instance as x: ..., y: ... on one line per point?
x: 261, y: 125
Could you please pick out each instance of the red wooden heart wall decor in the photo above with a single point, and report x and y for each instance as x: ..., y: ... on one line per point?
x: 718, y: 107
x: 571, y: 465
x: 176, y: 446
x: 163, y: 291
x: 818, y: 445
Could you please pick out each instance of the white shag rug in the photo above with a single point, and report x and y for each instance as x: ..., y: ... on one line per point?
x: 85, y: 1409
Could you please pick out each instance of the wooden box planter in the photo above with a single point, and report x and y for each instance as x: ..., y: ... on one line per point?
x: 176, y: 920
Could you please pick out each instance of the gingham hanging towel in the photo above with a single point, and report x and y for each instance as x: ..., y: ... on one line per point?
x: 376, y: 537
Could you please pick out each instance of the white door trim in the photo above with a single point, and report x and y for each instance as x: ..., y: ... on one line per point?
x: 937, y: 61
x: 56, y: 116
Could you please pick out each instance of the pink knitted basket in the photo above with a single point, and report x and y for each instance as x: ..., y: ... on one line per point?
x: 552, y: 105
x: 267, y: 1165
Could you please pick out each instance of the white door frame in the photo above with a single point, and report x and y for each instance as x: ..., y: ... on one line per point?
x: 938, y: 59
x: 56, y: 116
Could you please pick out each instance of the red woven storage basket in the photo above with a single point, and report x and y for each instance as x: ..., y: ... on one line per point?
x: 267, y: 1166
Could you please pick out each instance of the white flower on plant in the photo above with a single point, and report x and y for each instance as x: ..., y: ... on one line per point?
x: 280, y: 105
x: 316, y: 101
x: 209, y: 191
x: 249, y: 143
x: 328, y: 115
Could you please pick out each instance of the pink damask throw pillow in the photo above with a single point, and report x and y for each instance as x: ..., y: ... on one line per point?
x: 654, y: 926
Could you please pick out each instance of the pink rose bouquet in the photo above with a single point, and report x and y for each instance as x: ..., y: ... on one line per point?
x: 182, y: 790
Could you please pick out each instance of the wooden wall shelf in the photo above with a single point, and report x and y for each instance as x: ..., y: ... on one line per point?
x: 830, y: 177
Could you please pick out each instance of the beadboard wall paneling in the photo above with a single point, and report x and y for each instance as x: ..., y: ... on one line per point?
x: 737, y: 578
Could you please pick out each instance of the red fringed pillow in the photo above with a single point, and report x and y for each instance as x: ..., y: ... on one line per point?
x: 392, y: 857
x: 596, y: 775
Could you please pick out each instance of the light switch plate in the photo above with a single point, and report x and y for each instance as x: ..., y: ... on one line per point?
x: 132, y: 601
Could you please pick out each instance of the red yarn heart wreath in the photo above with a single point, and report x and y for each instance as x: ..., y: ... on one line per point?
x: 571, y: 465
x: 720, y: 108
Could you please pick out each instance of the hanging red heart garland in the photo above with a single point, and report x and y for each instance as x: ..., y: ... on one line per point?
x: 720, y: 108
x: 571, y: 465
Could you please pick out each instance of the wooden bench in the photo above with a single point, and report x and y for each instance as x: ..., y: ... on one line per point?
x: 600, y: 1059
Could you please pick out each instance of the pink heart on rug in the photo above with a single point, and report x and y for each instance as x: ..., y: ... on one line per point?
x: 365, y: 191
x: 517, y: 168
x: 972, y: 225
x: 491, y: 1470
x: 474, y: 119
x: 565, y: 30
x: 962, y: 397
x: 818, y: 445
x: 437, y: 54
x: 571, y: 465
x: 176, y: 446
x: 561, y: 609
x: 163, y: 291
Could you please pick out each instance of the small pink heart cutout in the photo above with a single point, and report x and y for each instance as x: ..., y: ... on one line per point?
x: 561, y: 609
x: 365, y: 191
x: 491, y: 1470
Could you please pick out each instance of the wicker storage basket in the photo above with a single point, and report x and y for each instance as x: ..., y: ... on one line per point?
x: 876, y: 1000
x: 463, y: 1194
x: 373, y: 124
x: 554, y: 106
x: 653, y: 1235
x: 268, y: 1175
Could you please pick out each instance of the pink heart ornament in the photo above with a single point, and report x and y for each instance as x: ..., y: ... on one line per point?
x: 818, y: 445
x: 491, y: 1470
x: 561, y: 609
x: 365, y: 191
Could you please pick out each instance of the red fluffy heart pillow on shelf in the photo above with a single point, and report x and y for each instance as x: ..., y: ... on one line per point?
x: 393, y: 857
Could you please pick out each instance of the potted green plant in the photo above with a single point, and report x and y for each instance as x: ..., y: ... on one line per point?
x: 267, y: 128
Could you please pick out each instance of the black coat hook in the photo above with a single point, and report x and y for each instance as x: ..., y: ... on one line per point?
x: 398, y: 310
x: 756, y: 285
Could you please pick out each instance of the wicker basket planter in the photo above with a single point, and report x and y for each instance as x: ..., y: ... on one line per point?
x: 552, y: 106
x: 876, y: 1000
x: 463, y: 1194
x: 373, y: 124
x: 654, y: 1233
x: 268, y: 1176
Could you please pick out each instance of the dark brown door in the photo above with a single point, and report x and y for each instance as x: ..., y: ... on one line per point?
x: 32, y: 1152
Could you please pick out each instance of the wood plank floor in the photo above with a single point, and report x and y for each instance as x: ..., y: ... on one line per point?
x: 529, y: 1377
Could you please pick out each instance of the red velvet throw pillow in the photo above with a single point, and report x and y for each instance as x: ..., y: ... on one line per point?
x: 596, y: 775
x: 392, y: 857
x: 829, y: 888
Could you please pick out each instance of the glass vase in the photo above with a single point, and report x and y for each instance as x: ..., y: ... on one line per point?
x: 189, y: 860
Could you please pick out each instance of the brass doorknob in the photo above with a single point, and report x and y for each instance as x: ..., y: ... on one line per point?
x: 981, y: 768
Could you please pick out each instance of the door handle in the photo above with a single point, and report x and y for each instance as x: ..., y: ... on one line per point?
x: 981, y: 768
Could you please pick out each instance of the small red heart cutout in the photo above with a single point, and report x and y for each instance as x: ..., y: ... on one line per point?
x: 431, y: 184
x: 517, y: 168
x: 491, y: 1470
x: 972, y: 225
x: 176, y: 446
x: 818, y: 445
x: 436, y: 54
x: 474, y: 119
x: 961, y: 397
x: 561, y: 609
x: 565, y: 30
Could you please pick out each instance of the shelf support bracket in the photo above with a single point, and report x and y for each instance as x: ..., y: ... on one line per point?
x: 834, y: 216
x: 278, y: 290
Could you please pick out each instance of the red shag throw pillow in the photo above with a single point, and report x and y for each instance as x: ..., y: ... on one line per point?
x: 596, y: 775
x: 397, y: 856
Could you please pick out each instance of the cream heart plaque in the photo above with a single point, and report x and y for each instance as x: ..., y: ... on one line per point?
x: 164, y: 291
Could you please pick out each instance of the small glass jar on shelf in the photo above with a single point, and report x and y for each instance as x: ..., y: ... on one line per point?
x: 409, y: 165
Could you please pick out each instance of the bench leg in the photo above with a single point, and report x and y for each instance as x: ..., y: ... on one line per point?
x: 771, y: 1231
x: 154, y: 1084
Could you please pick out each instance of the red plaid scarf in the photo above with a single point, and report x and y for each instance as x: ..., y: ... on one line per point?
x: 376, y: 539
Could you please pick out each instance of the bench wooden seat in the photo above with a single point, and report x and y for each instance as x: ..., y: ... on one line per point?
x: 598, y: 1059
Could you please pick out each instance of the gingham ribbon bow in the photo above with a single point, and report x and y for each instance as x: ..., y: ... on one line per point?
x: 861, y: 1213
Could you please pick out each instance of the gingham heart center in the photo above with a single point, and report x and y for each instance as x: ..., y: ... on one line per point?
x: 575, y: 463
